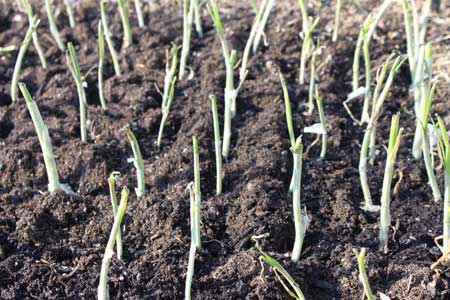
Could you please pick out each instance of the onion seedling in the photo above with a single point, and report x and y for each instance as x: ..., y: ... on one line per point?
x: 53, y: 28
x: 22, y: 51
x: 188, y: 16
x: 372, y: 123
x: 444, y: 149
x: 169, y: 89
x: 74, y: 67
x: 137, y: 161
x: 138, y: 8
x: 243, y: 70
x: 262, y: 23
x: 364, y: 39
x: 425, y: 106
x: 294, y: 291
x: 7, y: 49
x: 108, y: 38
x: 29, y: 11
x: 197, y: 193
x: 217, y: 144
x: 323, y: 122
x: 124, y: 17
x: 306, y: 45
x: 287, y: 107
x: 70, y: 14
x: 44, y: 140
x: 337, y: 19
x: 395, y: 137
x: 300, y: 219
x: 360, y: 257
x: 102, y: 291
x: 193, y: 248
x: 112, y: 192
x: 230, y: 90
x: 312, y: 80
x: 415, y: 31
x: 306, y: 22
x: 197, y: 19
x: 101, y: 60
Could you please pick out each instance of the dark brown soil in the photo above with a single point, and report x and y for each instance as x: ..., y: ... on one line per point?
x: 54, y: 243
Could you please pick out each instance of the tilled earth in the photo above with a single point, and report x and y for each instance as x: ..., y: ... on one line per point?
x: 53, y: 243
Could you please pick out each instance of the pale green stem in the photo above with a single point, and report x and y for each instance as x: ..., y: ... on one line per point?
x: 337, y: 17
x: 446, y: 238
x: 298, y: 216
x: 123, y: 11
x: 70, y: 14
x: 27, y: 7
x: 368, y: 204
x: 102, y: 291
x: 188, y: 15
x: 113, y: 196
x: 198, y: 195
x: 263, y: 21
x: 429, y: 166
x: 53, y: 28
x: 312, y: 82
x: 367, y: 96
x: 101, y: 60
x: 192, y: 250
x: 138, y: 8
x: 44, y: 140
x: 217, y: 145
x: 138, y: 162
x: 22, y: 51
x: 197, y: 19
x: 108, y: 39
x: 74, y: 68
x: 362, y: 272
x: 248, y: 45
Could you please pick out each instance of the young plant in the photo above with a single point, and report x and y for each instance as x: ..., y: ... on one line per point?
x: 306, y: 49
x: 197, y: 193
x: 112, y: 192
x: 395, y: 137
x: 230, y: 90
x: 306, y: 22
x: 23, y: 49
x: 188, y: 16
x: 197, y: 19
x: 108, y: 38
x: 372, y: 123
x: 245, y: 56
x: 123, y: 11
x: 102, y: 291
x: 137, y: 161
x: 217, y: 144
x: 287, y: 107
x: 364, y: 40
x: 312, y: 80
x: 337, y: 19
x: 293, y: 289
x: 74, y: 67
x: 444, y: 149
x: 262, y: 23
x: 323, y: 122
x: 415, y: 30
x: 193, y: 247
x: 169, y: 89
x: 7, y: 49
x: 29, y: 11
x: 101, y: 61
x: 70, y: 14
x: 138, y: 8
x: 300, y: 219
x: 362, y: 272
x: 53, y: 28
x: 44, y: 140
x: 425, y: 106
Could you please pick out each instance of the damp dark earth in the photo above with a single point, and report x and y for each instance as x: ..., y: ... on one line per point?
x: 53, y: 243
